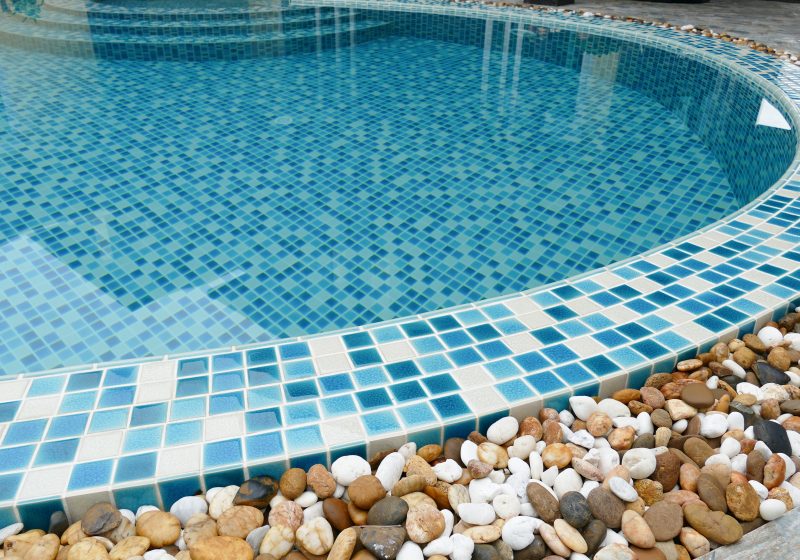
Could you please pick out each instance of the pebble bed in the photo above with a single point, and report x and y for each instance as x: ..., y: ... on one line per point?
x: 706, y: 32
x: 693, y: 460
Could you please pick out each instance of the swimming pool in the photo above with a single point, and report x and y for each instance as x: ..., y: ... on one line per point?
x: 716, y: 128
x: 157, y: 207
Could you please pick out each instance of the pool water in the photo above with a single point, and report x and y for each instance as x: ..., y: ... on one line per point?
x: 155, y: 207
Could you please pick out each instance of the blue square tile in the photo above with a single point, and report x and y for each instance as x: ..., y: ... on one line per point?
x: 224, y: 362
x: 9, y: 485
x: 559, y: 353
x: 301, y: 413
x: 264, y: 396
x: 264, y: 419
x: 338, y: 406
x: 148, y: 414
x: 374, y: 398
x: 382, y: 422
x: 228, y: 381
x: 600, y: 365
x: 104, y: 420
x: 142, y: 439
x: 302, y: 439
x: 455, y: 339
x: 464, y: 356
x: 514, y: 390
x: 494, y: 350
x: 444, y: 323
x: 439, y: 384
x: 365, y: 357
x: 418, y: 414
x: 262, y: 356
x: 121, y: 376
x: 545, y: 382
x: 84, y: 381
x: 407, y: 391
x: 218, y: 453
x: 24, y: 432
x: 548, y: 335
x: 15, y: 458
x: 192, y: 386
x: 433, y: 364
x: 47, y: 386
x: 192, y: 366
x: 54, y: 452
x: 298, y: 369
x: 357, y: 340
x: 532, y: 361
x: 263, y: 375
x: 427, y: 345
x: 403, y: 370
x: 368, y: 377
x: 573, y: 374
x: 180, y: 433
x: 450, y: 406
x: 294, y: 351
x: 502, y: 369
x: 184, y: 409
x: 264, y: 445
x: 77, y: 402
x: 482, y: 333
x: 116, y: 396
x: 8, y: 410
x: 417, y: 328
x: 67, y: 426
x: 225, y: 402
x: 91, y: 475
x: 336, y: 383
x: 135, y: 467
x: 300, y: 390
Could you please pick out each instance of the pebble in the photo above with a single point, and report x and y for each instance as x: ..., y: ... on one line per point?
x: 518, y: 532
x: 365, y: 491
x: 711, y: 492
x: 679, y: 410
x: 583, y: 407
x: 239, y: 521
x: 348, y: 468
x: 615, y: 552
x: 623, y: 490
x: 695, y: 543
x: 390, y: 470
x: 315, y: 537
x: 606, y: 507
x: 570, y: 536
x: 636, y: 530
x: 187, y: 507
x: 10, y: 531
x: 613, y: 408
x: 288, y: 514
x: 160, y: 527
x: 640, y: 463
x: 665, y: 520
x: 575, y: 510
x: 771, y: 509
x: 221, y: 501
x: 424, y: 523
x: 278, y: 541
x: 502, y: 430
x: 100, y: 518
x: 551, y: 539
x: 256, y: 536
x: 215, y: 548
x: 543, y: 501
x: 477, y: 514
x: 714, y: 525
x: 256, y: 492
x: 322, y: 482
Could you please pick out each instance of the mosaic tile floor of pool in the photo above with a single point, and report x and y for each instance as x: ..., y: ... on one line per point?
x: 150, y: 432
x: 152, y: 208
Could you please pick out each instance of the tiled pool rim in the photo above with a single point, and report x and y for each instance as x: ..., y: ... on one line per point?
x: 120, y: 432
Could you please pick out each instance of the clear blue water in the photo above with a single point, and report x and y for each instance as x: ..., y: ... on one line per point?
x: 154, y: 207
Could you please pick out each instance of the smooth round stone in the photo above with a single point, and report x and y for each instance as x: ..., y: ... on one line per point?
x: 583, y: 407
x: 462, y: 547
x: 768, y: 374
x: 570, y: 536
x: 615, y: 552
x: 518, y: 531
x: 743, y: 501
x: 477, y: 514
x: 545, y: 504
x: 100, y: 518
x: 256, y: 536
x: 58, y: 524
x: 575, y: 509
x: 534, y: 551
x: 10, y: 531
x: 567, y: 481
x: 503, y: 430
x: 593, y: 534
x: 410, y: 551
x: 335, y: 511
x: 606, y: 507
x: 425, y: 523
x: 383, y: 542
x: 771, y: 509
x: 188, y: 506
x: 697, y: 450
x: 507, y: 506
x: 348, y: 468
x: 770, y: 336
x: 714, y: 525
x: 162, y: 528
x: 636, y: 530
x: 613, y: 408
x: 640, y: 463
x: 773, y: 435
x: 713, y: 425
x: 667, y: 472
x: 214, y: 548
x: 665, y: 519
x: 711, y: 492
x: 622, y: 489
x: 485, y: 552
x: 391, y: 510
x: 256, y: 492
x: 697, y: 395
x: 365, y: 491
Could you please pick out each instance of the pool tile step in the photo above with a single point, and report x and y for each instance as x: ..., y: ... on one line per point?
x: 22, y: 34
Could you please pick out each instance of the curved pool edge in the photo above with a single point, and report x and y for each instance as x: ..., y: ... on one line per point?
x: 519, y: 352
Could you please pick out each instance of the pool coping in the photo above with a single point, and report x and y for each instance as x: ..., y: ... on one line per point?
x: 465, y: 386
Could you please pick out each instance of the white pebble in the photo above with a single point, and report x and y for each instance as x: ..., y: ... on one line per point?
x: 306, y: 499
x: 719, y: 459
x: 476, y: 514
x: 567, y: 481
x: 12, y: 530
x: 497, y: 477
x: 739, y: 463
x: 502, y: 430
x: 730, y: 447
x: 408, y: 450
x: 760, y: 489
x: 518, y: 482
x: 644, y: 424
x: 469, y: 451
x: 339, y: 492
x: 770, y: 336
x: 449, y: 521
x: 587, y: 487
x: 537, y: 466
x: 129, y: 515
x: 527, y: 510
x: 794, y: 492
x: 442, y: 545
x: 736, y: 421
x: 712, y: 382
x: 680, y: 426
x: 348, y: 468
x: 506, y: 506
x: 410, y: 551
x: 750, y: 389
x: 790, y: 467
x: 518, y: 532
x: 448, y: 471
x: 613, y: 408
x: 762, y: 448
x: 256, y: 536
x: 734, y: 368
x: 613, y: 537
x: 390, y: 470
x: 188, y: 506
x: 622, y: 489
x: 794, y: 441
x: 549, y: 476
x: 522, y: 447
x: 582, y: 438
x: 640, y: 462
x: 483, y: 490
x: 312, y: 512
x: 566, y: 417
x: 771, y: 509
x: 793, y: 339
x: 462, y: 547
x: 211, y: 492
x: 783, y: 418
x: 278, y: 499
x: 583, y: 407
x: 518, y: 466
x: 794, y: 378
x: 713, y: 425
x: 609, y: 458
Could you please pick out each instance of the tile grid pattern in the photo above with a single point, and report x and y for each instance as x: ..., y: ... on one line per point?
x: 150, y: 432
